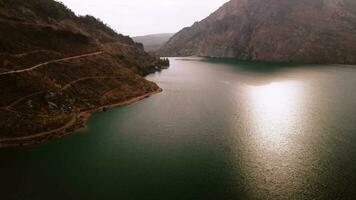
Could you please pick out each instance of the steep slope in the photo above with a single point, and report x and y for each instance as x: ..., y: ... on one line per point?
x: 57, y: 68
x: 153, y: 42
x: 306, y: 31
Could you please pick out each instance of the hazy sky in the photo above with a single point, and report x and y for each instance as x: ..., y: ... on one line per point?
x: 141, y: 17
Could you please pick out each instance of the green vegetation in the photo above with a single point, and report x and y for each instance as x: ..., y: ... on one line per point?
x: 164, y: 62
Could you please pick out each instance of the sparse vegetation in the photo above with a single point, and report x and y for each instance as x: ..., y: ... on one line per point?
x: 37, y: 31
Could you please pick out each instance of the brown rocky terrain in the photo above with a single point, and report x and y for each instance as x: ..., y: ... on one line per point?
x: 303, y: 31
x: 57, y: 68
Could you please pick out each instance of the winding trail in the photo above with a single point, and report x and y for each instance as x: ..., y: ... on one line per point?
x: 70, y: 84
x: 65, y: 87
x: 73, y: 122
x: 29, y: 52
x: 39, y: 135
x: 21, y: 99
x: 61, y: 131
x: 52, y: 61
x: 106, y: 94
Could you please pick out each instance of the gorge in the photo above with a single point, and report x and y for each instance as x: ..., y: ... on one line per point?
x: 258, y: 101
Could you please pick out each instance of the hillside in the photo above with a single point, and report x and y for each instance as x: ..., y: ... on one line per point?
x: 57, y: 68
x: 303, y: 31
x: 153, y: 42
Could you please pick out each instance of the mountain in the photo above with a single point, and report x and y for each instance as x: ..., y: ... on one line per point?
x: 153, y: 42
x: 303, y: 31
x: 57, y: 68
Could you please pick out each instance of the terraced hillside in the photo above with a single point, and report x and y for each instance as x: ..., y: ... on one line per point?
x: 57, y: 68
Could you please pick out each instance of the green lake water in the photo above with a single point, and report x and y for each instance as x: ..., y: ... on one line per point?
x: 219, y: 130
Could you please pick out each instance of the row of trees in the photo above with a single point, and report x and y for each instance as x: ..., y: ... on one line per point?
x: 164, y: 62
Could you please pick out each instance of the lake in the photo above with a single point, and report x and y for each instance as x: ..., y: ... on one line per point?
x: 219, y: 130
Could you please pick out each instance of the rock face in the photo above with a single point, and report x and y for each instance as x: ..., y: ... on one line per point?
x: 304, y: 31
x: 153, y: 42
x: 55, y: 65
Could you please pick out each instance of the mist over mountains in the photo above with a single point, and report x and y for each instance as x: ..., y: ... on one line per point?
x: 153, y: 42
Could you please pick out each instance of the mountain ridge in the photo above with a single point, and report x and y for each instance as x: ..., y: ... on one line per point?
x: 153, y: 42
x: 317, y: 31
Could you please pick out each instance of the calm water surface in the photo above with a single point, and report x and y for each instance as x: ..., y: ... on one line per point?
x: 220, y: 130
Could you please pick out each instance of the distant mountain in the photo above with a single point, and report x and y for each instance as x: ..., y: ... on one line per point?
x: 56, y: 68
x: 305, y: 31
x: 153, y: 42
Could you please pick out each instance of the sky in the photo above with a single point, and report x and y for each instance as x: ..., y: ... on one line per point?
x: 142, y: 17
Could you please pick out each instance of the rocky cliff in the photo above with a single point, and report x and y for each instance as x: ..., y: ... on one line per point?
x: 55, y: 66
x: 303, y: 31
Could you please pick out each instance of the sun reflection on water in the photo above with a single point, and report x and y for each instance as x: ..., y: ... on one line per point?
x: 274, y: 118
x: 274, y: 111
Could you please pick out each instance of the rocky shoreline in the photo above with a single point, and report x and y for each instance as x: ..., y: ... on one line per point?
x: 78, y: 122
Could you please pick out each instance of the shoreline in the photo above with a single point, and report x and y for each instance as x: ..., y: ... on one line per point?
x: 78, y: 122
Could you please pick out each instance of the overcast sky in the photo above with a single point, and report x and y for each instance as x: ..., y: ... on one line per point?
x: 141, y: 17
